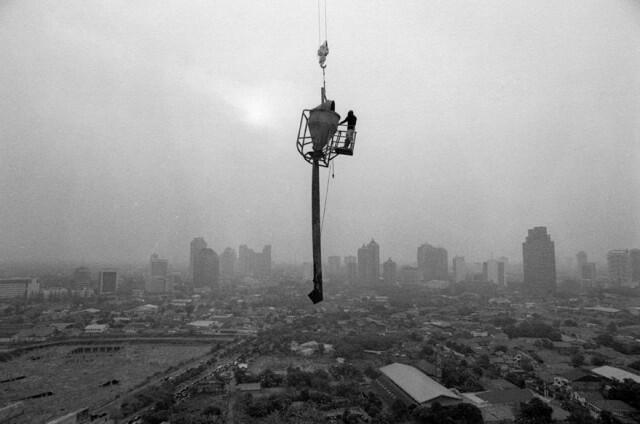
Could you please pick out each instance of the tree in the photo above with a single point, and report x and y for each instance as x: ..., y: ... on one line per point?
x: 577, y: 360
x: 534, y: 412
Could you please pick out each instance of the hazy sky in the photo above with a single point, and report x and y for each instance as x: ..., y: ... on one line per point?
x: 128, y: 127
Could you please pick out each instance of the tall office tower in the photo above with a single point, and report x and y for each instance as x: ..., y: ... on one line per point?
x: 197, y: 244
x: 539, y: 263
x: 108, y: 281
x: 634, y: 256
x: 207, y: 270
x: 263, y: 262
x: 81, y: 278
x: 228, y: 264
x: 619, y: 264
x: 158, y: 281
x: 493, y: 272
x: 582, y: 259
x: 244, y: 259
x: 433, y: 263
x: 369, y: 263
x: 459, y: 269
x: 158, y: 267
x: 351, y: 268
x: 389, y: 272
x: 333, y: 266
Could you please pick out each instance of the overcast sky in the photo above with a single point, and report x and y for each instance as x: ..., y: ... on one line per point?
x: 130, y: 127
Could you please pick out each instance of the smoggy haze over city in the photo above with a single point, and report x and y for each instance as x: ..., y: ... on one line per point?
x: 128, y: 128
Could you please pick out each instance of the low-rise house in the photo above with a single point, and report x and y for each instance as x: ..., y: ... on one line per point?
x: 96, y: 328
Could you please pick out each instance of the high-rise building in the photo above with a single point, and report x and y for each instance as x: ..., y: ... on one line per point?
x: 459, y: 269
x: 493, y: 272
x: 197, y: 244
x: 158, y: 281
x: 18, y: 287
x: 81, y: 278
x: 158, y: 267
x: 108, y: 281
x: 333, y: 267
x: 254, y: 264
x: 619, y: 265
x: 228, y: 263
x: 351, y: 268
x: 207, y: 270
x: 389, y: 272
x: 433, y: 262
x: 581, y: 259
x: 634, y: 256
x: 369, y: 263
x: 539, y: 262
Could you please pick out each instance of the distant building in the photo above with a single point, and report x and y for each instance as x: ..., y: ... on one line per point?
x: 158, y: 267
x: 108, y: 281
x: 18, y: 287
x: 351, y: 268
x: 411, y: 386
x: 158, y: 281
x: 634, y: 256
x: 207, y: 270
x: 493, y: 272
x: 619, y: 265
x: 433, y: 262
x: 409, y: 275
x: 254, y: 264
x: 228, y: 260
x: 389, y: 272
x: 459, y: 269
x: 333, y: 267
x: 81, y: 278
x: 369, y: 263
x: 581, y: 260
x: 539, y: 263
x: 197, y: 244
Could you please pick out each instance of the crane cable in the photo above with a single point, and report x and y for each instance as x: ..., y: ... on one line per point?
x: 326, y: 194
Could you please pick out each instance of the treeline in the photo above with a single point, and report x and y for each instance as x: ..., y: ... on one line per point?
x: 531, y: 328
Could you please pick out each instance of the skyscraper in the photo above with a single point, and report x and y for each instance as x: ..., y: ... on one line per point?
x: 459, y: 269
x: 433, y: 262
x: 539, y: 263
x: 369, y: 263
x: 389, y: 272
x: 81, y: 278
x: 206, y: 270
x: 351, y: 268
x: 254, y: 264
x: 333, y: 267
x: 581, y: 259
x: 493, y: 272
x: 228, y: 263
x: 108, y: 281
x: 619, y: 265
x: 158, y: 281
x: 634, y: 256
x: 197, y: 244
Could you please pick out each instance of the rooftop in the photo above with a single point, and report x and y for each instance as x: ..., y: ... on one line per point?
x: 415, y: 383
x: 614, y: 373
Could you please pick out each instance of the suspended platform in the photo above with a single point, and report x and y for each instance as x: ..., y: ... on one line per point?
x: 337, y: 137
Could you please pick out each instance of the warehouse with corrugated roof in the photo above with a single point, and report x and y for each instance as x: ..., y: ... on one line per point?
x: 412, y: 387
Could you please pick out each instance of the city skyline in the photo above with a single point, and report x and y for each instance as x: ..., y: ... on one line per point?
x: 496, y: 118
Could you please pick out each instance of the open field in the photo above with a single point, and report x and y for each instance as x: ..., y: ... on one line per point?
x: 68, y: 381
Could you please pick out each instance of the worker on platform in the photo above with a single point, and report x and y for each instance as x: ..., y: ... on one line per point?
x: 351, y: 120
